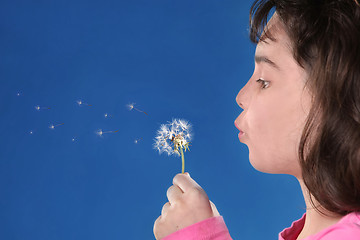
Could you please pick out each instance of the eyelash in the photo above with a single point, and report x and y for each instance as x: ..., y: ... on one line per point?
x: 264, y: 84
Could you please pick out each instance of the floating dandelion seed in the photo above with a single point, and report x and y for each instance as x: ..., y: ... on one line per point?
x: 18, y: 94
x: 52, y: 126
x: 31, y: 132
x: 101, y: 133
x: 106, y: 115
x: 80, y: 102
x: 38, y: 108
x: 131, y: 106
x: 173, y: 137
x: 136, y: 141
x: 73, y: 139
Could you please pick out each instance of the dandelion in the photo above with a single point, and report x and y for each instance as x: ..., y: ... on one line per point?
x: 101, y: 133
x: 173, y: 138
x: 80, y: 102
x: 38, y: 108
x: 52, y: 126
x: 131, y: 106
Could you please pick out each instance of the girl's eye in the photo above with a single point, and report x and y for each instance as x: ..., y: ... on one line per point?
x: 264, y: 84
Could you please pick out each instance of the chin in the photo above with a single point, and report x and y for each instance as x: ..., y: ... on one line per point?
x: 266, y: 166
x: 258, y: 164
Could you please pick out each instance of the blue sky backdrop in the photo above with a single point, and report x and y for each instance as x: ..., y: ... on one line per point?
x: 174, y: 59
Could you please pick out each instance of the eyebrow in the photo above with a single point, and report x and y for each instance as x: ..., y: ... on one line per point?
x: 259, y: 59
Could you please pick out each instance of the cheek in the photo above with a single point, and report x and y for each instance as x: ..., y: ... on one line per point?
x: 274, y: 130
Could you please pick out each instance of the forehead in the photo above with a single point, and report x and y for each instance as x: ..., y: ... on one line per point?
x: 274, y: 41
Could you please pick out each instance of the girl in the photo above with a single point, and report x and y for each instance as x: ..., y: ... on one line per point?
x: 301, y: 116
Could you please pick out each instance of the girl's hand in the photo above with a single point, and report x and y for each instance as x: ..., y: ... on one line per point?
x: 188, y: 204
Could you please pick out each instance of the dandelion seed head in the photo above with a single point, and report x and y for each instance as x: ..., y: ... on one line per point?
x: 173, y: 136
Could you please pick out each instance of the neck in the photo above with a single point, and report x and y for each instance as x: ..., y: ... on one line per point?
x: 315, y: 221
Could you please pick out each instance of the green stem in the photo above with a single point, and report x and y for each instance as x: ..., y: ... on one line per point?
x: 183, y: 160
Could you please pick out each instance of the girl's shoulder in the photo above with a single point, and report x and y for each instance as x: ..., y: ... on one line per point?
x: 348, y: 228
x: 351, y: 218
x: 349, y: 225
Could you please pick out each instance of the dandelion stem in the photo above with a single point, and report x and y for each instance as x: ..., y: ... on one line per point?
x: 183, y: 160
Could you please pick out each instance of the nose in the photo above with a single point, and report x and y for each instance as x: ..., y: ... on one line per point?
x: 238, y: 101
x: 241, y: 97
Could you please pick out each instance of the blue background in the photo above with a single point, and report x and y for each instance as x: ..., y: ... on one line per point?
x: 174, y: 59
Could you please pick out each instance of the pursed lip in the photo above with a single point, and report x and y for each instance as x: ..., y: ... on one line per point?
x: 237, y: 126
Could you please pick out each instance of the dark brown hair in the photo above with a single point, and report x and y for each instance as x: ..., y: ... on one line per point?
x: 325, y: 39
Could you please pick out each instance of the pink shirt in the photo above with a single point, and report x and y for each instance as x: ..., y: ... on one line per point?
x: 348, y: 228
x: 209, y: 229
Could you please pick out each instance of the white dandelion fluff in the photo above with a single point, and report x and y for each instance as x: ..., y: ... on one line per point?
x: 38, y: 108
x: 107, y: 115
x: 131, y: 106
x: 101, y: 133
x: 173, y: 138
x: 80, y: 102
x: 52, y: 126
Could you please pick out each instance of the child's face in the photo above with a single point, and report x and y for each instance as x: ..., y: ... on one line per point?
x: 274, y: 117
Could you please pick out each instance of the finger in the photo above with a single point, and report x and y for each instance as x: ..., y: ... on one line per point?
x: 173, y: 193
x: 156, y: 227
x: 185, y: 182
x: 214, y: 209
x: 165, y: 209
